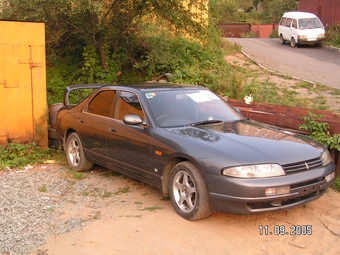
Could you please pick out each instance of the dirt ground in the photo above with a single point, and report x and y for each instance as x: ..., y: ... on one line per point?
x: 135, y: 219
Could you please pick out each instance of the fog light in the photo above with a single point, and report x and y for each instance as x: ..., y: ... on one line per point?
x: 330, y: 177
x: 277, y: 191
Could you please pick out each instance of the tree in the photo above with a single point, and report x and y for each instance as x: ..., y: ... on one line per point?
x: 101, y: 26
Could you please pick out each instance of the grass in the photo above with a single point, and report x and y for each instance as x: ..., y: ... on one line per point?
x: 123, y: 190
x: 153, y: 208
x: 43, y: 188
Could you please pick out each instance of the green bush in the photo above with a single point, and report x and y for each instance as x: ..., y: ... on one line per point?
x: 333, y: 35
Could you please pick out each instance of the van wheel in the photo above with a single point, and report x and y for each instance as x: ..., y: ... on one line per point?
x: 292, y: 42
x: 282, y: 41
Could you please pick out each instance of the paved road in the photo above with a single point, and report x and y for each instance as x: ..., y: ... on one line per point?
x: 315, y: 64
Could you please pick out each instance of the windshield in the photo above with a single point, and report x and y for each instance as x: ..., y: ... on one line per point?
x: 310, y: 23
x: 189, y: 107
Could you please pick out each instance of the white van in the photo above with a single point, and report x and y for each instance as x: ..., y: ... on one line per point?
x: 301, y: 28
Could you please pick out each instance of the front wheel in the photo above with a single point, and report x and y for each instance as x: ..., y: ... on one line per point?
x: 292, y: 42
x: 75, y: 154
x: 188, y: 192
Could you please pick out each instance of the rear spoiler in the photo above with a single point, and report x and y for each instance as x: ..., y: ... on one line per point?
x: 70, y: 88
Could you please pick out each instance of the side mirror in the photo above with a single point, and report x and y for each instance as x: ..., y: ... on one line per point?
x: 132, y: 119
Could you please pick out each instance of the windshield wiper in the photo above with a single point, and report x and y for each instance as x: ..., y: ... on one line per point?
x: 205, y: 122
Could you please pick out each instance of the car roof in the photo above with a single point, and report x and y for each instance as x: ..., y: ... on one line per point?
x: 299, y: 15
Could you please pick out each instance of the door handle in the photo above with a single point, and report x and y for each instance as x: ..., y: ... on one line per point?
x: 112, y: 130
x: 82, y: 121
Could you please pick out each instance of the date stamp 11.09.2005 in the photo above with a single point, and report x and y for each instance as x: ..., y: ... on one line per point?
x: 280, y: 230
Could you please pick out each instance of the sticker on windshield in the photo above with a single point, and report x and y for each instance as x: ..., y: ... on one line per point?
x: 150, y: 95
x: 203, y: 96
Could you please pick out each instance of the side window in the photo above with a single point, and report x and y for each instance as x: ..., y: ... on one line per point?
x: 102, y: 103
x: 128, y: 103
x: 283, y: 21
x: 294, y: 24
x: 288, y: 22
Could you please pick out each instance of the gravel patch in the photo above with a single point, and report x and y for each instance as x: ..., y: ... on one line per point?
x: 35, y: 203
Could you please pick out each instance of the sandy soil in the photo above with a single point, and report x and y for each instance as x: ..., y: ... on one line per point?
x: 141, y: 221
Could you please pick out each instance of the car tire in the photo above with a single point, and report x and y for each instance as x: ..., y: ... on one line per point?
x: 75, y: 154
x: 188, y: 192
x: 282, y: 41
x: 292, y: 42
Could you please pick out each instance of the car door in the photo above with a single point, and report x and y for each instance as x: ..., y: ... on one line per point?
x: 288, y: 29
x: 92, y: 125
x: 129, y: 146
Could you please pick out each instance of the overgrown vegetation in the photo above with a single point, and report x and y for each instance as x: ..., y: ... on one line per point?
x: 319, y: 131
x: 333, y: 35
x: 19, y: 155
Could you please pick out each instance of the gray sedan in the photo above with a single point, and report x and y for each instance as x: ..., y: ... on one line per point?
x: 193, y: 146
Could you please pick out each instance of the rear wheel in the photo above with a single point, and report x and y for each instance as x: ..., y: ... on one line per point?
x: 188, y: 192
x: 282, y: 41
x: 292, y: 42
x: 75, y: 154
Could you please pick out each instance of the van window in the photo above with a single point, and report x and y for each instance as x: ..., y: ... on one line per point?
x: 288, y: 22
x: 310, y: 23
x: 283, y: 21
x: 294, y: 24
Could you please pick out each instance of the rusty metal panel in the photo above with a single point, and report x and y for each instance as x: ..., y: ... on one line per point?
x: 263, y: 30
x: 23, y: 106
x: 284, y: 116
x: 234, y: 29
x: 327, y: 10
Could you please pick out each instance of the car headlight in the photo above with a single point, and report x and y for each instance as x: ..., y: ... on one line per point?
x: 326, y: 158
x: 321, y: 35
x: 254, y: 171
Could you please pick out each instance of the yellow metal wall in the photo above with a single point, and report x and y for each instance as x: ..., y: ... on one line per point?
x: 23, y: 106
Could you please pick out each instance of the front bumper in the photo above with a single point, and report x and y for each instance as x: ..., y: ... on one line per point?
x: 310, y: 40
x: 247, y: 196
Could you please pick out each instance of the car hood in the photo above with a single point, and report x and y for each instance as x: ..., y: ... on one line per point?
x: 251, y: 142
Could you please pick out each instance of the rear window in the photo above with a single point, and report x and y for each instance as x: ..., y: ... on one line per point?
x: 283, y: 21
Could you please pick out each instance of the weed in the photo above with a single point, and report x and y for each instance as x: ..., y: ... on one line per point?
x: 153, y: 208
x: 303, y: 84
x: 50, y: 208
x: 76, y: 175
x: 123, y: 190
x: 83, y: 193
x: 134, y: 216
x: 138, y: 203
x: 335, y: 92
x: 106, y: 194
x: 43, y: 188
x: 96, y: 215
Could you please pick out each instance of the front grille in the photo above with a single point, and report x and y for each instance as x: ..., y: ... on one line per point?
x: 302, y: 166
